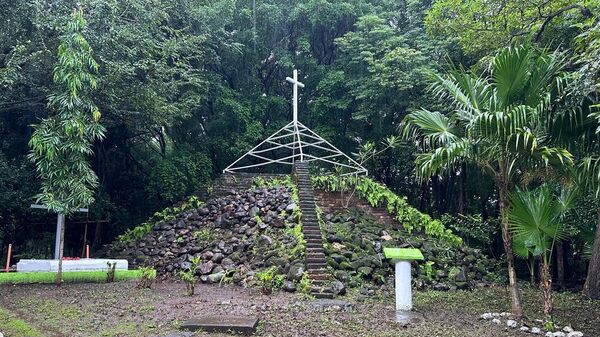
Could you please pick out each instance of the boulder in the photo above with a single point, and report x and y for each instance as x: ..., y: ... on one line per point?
x: 338, y: 288
x: 288, y: 286
x: 216, y: 277
x: 296, y: 272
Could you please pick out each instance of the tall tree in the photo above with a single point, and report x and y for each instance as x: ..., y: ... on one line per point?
x: 62, y: 143
x: 499, y: 123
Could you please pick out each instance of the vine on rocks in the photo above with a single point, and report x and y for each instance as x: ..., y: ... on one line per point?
x: 378, y: 195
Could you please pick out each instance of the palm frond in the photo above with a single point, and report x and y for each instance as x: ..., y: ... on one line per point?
x: 510, y: 71
x: 442, y: 158
x: 468, y: 94
x: 429, y: 128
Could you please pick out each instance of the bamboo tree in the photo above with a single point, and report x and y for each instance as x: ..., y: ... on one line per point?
x: 499, y: 123
x: 62, y: 143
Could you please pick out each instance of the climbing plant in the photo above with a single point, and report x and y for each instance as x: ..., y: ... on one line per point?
x: 378, y: 195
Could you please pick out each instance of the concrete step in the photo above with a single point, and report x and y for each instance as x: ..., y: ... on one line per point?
x: 323, y: 295
x: 319, y: 260
x: 316, y: 265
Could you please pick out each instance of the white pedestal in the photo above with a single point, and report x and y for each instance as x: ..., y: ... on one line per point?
x: 403, y: 285
x: 69, y: 265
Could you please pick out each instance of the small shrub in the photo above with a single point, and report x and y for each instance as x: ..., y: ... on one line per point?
x: 204, y: 235
x: 304, y: 285
x: 110, y: 274
x: 189, y: 276
x: 269, y: 280
x: 147, y: 276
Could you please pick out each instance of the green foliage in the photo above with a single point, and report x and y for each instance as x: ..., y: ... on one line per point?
x: 482, y: 26
x: 147, y: 277
x: 378, y: 195
x: 472, y: 228
x: 167, y: 214
x: 304, y: 285
x: 189, y: 275
x: 62, y: 143
x: 537, y: 220
x: 269, y: 279
x: 428, y: 267
x: 68, y: 277
x: 205, y: 235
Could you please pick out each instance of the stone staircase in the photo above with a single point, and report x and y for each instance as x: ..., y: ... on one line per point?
x: 316, y: 264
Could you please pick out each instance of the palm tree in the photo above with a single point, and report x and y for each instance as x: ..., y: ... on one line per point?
x: 499, y: 123
x: 536, y: 219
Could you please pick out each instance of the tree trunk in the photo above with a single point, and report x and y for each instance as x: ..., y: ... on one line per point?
x: 531, y: 263
x: 591, y: 287
x: 61, y: 250
x: 98, y: 235
x: 547, y: 290
x: 517, y: 309
x: 560, y: 264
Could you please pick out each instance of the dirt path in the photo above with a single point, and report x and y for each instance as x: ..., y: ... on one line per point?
x: 119, y: 309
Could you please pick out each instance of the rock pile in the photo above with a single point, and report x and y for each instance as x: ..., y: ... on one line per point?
x: 354, y: 248
x: 233, y: 236
x: 496, y: 318
x: 243, y: 232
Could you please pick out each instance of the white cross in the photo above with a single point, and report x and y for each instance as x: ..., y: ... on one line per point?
x: 296, y: 84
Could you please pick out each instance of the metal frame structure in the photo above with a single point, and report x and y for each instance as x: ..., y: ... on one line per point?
x: 293, y: 142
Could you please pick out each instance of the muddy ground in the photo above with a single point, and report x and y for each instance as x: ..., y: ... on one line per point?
x: 119, y: 309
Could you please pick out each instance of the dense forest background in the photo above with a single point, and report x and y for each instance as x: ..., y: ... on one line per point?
x: 186, y: 86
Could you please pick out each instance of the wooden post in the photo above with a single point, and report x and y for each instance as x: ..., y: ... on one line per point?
x: 87, y: 251
x: 8, y: 257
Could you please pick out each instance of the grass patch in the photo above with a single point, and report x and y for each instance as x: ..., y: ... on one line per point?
x: 10, y: 325
x: 68, y: 277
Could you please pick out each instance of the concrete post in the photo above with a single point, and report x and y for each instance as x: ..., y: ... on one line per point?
x: 403, y: 285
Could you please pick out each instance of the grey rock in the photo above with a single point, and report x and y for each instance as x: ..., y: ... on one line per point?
x: 535, y: 330
x: 290, y: 208
x: 511, y: 323
x: 289, y: 286
x: 216, y: 277
x: 575, y: 334
x: 496, y: 321
x: 296, y: 272
x: 338, y: 288
x: 206, y: 267
x: 265, y: 240
x: 217, y: 258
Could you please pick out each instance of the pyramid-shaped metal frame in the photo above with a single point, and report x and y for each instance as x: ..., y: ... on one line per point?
x: 293, y: 142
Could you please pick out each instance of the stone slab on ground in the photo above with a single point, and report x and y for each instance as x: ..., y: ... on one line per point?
x: 406, y: 318
x: 70, y: 265
x: 331, y: 305
x: 239, y: 324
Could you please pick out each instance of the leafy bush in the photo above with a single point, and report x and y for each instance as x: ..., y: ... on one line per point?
x: 473, y: 228
x: 189, y: 276
x: 269, y: 280
x: 147, y: 277
x: 378, y: 195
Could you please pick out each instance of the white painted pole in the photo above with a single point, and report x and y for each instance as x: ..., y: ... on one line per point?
x: 60, y: 221
x: 295, y: 103
x: 403, y: 286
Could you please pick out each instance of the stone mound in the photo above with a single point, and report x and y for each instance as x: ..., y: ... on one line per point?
x: 237, y: 235
x: 234, y: 236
